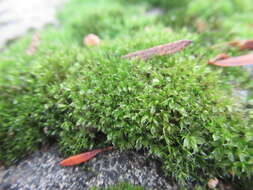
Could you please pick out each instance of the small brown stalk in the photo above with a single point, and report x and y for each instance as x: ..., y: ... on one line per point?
x: 166, y: 49
x: 34, y: 44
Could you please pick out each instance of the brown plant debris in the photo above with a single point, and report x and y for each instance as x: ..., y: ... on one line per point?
x: 84, y: 157
x: 212, y: 183
x: 242, y: 44
x: 91, y: 40
x: 34, y: 44
x: 234, y: 61
x: 219, y: 57
x: 166, y: 49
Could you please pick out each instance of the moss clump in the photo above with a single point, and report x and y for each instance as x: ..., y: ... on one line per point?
x: 174, y: 107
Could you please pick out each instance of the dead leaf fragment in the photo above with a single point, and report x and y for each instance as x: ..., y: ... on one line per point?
x: 91, y: 40
x: 34, y: 44
x: 242, y: 44
x: 247, y: 45
x: 219, y: 57
x: 212, y: 183
x: 84, y: 157
x: 235, y: 61
x: 160, y: 50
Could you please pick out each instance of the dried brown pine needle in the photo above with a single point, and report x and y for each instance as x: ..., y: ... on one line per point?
x: 247, y: 45
x: 235, y: 61
x: 219, y: 57
x: 166, y: 49
x: 242, y: 44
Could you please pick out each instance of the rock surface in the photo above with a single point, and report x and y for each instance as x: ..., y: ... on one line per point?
x: 18, y: 16
x: 41, y: 171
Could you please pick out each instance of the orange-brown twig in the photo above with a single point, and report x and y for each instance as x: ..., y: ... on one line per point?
x: 84, y: 157
x: 165, y: 49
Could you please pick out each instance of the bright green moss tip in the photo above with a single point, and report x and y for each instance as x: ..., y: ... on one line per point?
x: 176, y: 107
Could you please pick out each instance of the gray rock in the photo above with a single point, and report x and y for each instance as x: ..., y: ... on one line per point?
x: 241, y: 95
x: 17, y: 17
x: 155, y: 12
x: 41, y: 171
x: 249, y: 69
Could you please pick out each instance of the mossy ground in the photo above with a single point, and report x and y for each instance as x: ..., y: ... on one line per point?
x: 121, y: 186
x: 176, y: 107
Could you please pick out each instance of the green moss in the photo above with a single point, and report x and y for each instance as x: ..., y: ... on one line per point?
x: 103, y: 19
x: 164, y: 4
x: 121, y: 186
x: 87, y: 98
x: 222, y: 17
x: 176, y: 107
